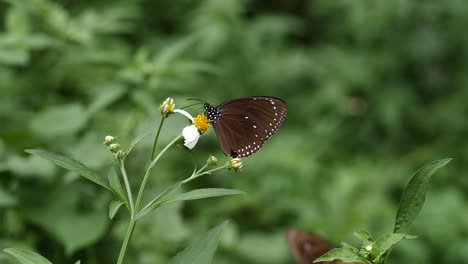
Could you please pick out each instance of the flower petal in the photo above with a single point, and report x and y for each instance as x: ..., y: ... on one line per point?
x: 191, y: 136
x: 185, y: 113
x: 190, y: 132
x: 191, y: 144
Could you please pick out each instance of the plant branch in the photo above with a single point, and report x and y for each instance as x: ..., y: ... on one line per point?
x: 148, y: 171
x: 127, y: 186
x: 153, y: 152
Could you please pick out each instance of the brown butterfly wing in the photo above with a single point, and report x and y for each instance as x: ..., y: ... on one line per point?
x: 245, y: 124
x: 306, y: 247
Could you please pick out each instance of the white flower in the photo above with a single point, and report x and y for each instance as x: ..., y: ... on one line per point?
x: 191, y: 136
x: 193, y: 132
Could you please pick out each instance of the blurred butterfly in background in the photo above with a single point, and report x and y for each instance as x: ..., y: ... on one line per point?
x: 306, y: 247
x: 243, y: 125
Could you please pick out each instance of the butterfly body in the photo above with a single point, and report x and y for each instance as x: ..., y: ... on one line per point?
x: 243, y: 125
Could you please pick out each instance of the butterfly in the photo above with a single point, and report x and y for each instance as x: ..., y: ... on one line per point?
x: 243, y: 125
x: 306, y: 247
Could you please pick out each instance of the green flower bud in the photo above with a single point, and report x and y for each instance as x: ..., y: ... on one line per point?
x: 212, y: 161
x: 109, y: 140
x: 235, y: 164
x: 114, y: 147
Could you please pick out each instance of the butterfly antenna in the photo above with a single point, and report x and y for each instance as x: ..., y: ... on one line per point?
x: 195, y: 99
x: 191, y: 105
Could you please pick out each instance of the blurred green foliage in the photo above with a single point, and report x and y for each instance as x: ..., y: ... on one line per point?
x: 375, y: 89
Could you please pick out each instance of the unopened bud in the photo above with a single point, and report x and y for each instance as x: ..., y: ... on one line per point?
x: 109, y: 140
x: 368, y: 248
x: 212, y: 161
x: 235, y: 164
x: 114, y: 147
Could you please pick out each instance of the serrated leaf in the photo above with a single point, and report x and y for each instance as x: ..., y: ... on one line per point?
x: 364, y: 236
x: 201, y: 194
x: 155, y: 203
x: 26, y: 257
x: 345, y: 254
x: 383, y: 244
x: 201, y: 250
x: 70, y: 164
x: 116, y: 186
x: 114, y: 207
x: 414, y: 195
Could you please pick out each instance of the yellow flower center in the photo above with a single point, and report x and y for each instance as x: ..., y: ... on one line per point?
x: 201, y: 123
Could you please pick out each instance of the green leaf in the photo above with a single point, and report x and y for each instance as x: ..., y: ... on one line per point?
x: 13, y: 56
x: 59, y: 120
x: 31, y: 167
x: 74, y: 229
x: 143, y: 99
x: 365, y: 237
x: 191, y: 195
x: 383, y: 244
x: 116, y: 186
x: 107, y: 95
x: 78, y: 262
x: 114, y: 207
x: 201, y: 250
x: 345, y: 254
x: 70, y: 164
x: 201, y: 194
x: 155, y: 203
x: 26, y: 257
x: 414, y: 195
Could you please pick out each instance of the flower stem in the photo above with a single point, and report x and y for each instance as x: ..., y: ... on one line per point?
x: 148, y: 171
x: 198, y: 174
x: 134, y: 209
x: 128, y: 235
x: 153, y: 152
x: 127, y: 186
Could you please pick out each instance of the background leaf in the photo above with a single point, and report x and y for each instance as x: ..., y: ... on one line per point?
x: 26, y: 257
x: 201, y: 251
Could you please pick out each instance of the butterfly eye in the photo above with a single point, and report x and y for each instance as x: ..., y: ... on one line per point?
x: 243, y: 125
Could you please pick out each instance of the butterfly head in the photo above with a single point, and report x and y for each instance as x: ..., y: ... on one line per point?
x: 211, y: 112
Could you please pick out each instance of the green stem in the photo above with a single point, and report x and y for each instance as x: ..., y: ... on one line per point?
x: 153, y: 152
x: 128, y: 235
x: 131, y: 225
x: 193, y: 177
x: 127, y: 186
x: 148, y: 171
